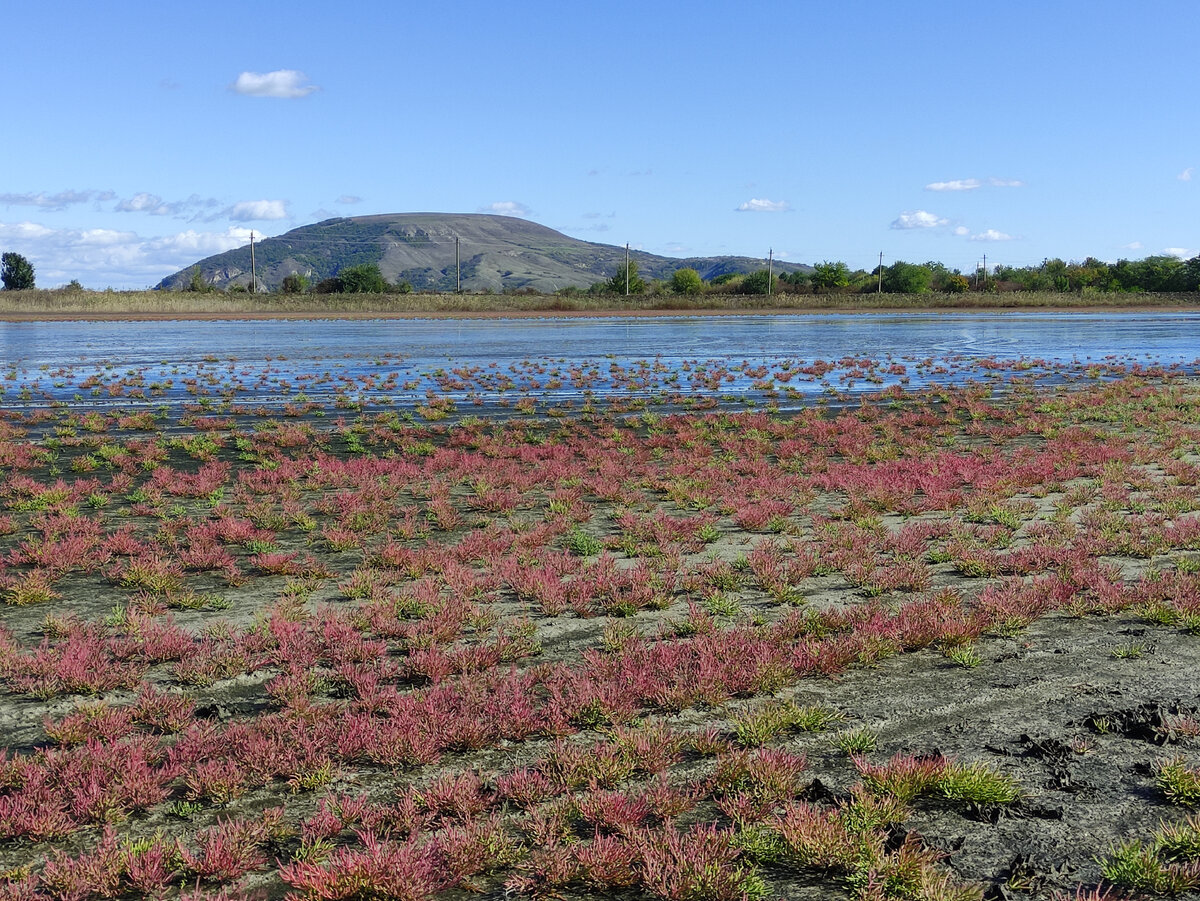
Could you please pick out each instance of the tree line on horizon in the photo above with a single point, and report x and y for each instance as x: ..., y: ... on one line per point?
x: 1153, y: 274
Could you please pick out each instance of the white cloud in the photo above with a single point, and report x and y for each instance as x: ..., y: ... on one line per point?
x: 285, y: 84
x: 101, y: 257
x: 24, y: 231
x: 991, y: 235
x: 1186, y: 174
x: 1182, y: 252
x: 1133, y: 245
x: 53, y: 202
x: 505, y: 208
x: 962, y: 231
x: 762, y: 205
x: 970, y: 184
x: 349, y: 199
x: 142, y: 203
x: 104, y: 237
x: 958, y: 184
x: 918, y: 219
x: 208, y: 243
x: 250, y: 210
x: 153, y: 205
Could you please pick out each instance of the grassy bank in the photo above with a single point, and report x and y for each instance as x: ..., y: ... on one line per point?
x: 105, y: 304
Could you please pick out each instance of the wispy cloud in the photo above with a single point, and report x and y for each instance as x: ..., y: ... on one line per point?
x: 151, y: 204
x: 991, y: 234
x: 1132, y: 245
x: 251, y: 210
x: 101, y: 257
x: 143, y: 203
x: 506, y: 208
x: 54, y: 202
x: 1183, y: 253
x: 970, y: 184
x: 1186, y: 174
x: 349, y: 199
x: 762, y: 205
x: 918, y: 219
x: 284, y: 84
x: 958, y: 184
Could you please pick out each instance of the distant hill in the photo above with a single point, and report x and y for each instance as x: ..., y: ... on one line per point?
x: 498, y: 253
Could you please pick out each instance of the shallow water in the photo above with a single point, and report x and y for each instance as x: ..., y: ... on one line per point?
x: 271, y: 361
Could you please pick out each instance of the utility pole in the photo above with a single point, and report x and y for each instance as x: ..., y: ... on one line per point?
x: 985, y: 272
x: 770, y: 269
x: 457, y: 267
x: 627, y: 270
x: 253, y: 271
x: 880, y: 291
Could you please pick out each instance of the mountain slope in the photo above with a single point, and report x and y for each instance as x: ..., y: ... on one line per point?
x: 498, y: 253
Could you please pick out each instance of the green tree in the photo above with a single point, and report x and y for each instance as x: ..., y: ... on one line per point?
x: 906, y: 278
x: 617, y: 283
x: 196, y: 281
x: 364, y: 278
x: 829, y: 275
x: 1191, y: 275
x: 956, y: 283
x: 16, y: 272
x: 797, y: 279
x: 760, y: 282
x: 1162, y: 273
x: 686, y: 281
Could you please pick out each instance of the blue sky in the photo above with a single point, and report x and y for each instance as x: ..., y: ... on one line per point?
x: 142, y: 136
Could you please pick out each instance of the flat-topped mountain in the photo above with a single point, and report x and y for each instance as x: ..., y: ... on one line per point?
x: 497, y: 253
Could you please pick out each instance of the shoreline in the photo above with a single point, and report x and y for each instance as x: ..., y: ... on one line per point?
x: 351, y: 315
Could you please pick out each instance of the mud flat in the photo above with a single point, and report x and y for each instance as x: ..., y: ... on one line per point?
x: 942, y: 644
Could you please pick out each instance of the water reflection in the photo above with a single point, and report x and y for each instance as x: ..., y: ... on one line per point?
x: 272, y: 360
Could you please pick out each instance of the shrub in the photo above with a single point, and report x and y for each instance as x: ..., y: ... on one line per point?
x: 294, y: 284
x: 760, y: 282
x: 364, y: 278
